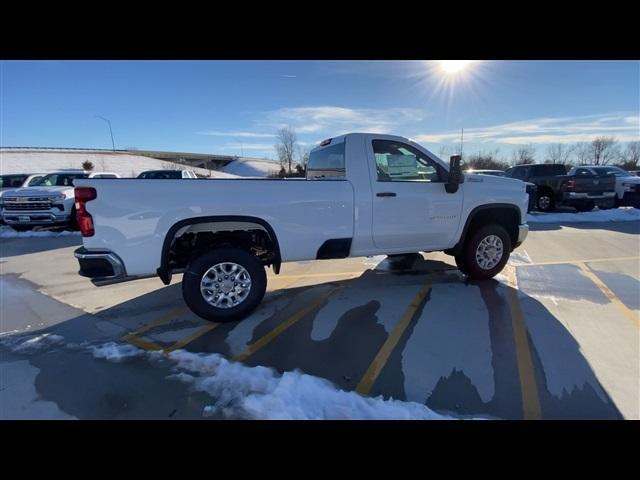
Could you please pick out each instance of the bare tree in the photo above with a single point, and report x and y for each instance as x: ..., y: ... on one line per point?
x: 485, y: 161
x: 286, y: 146
x: 631, y: 156
x: 524, y: 154
x: 582, y: 153
x: 604, y: 150
x: 559, y: 153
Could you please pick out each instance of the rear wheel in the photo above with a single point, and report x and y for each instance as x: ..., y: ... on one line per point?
x: 545, y: 202
x: 223, y: 285
x: 486, y: 252
x: 461, y: 263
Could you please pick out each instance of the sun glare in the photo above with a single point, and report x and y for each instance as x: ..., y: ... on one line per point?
x: 452, y: 67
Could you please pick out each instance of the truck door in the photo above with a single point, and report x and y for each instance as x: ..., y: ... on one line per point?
x: 411, y: 209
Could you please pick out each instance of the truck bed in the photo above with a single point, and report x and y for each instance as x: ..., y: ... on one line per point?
x: 132, y: 216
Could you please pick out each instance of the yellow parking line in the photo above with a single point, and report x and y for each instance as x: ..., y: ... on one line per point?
x: 575, y: 262
x: 264, y: 340
x: 191, y: 338
x: 528, y: 386
x: 166, y: 318
x: 380, y: 360
x: 626, y: 311
x: 141, y: 343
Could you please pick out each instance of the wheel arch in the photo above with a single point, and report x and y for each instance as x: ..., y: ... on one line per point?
x: 507, y: 214
x: 164, y: 271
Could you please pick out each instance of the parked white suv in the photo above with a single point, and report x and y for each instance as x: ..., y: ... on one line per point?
x: 48, y: 202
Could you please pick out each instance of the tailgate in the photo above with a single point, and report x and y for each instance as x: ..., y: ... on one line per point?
x: 594, y: 184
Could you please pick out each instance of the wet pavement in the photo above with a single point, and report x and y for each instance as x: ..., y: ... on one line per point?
x: 556, y: 336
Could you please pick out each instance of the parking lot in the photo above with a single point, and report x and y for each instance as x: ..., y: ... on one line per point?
x: 555, y: 336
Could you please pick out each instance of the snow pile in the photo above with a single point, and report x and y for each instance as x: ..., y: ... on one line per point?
x: 622, y: 214
x: 124, y: 164
x: 251, y: 168
x: 32, y: 344
x: 8, y: 232
x: 115, y: 352
x: 260, y: 393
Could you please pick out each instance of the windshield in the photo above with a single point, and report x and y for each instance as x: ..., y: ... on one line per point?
x: 59, y: 179
x: 617, y: 171
x: 161, y: 174
x: 13, y: 181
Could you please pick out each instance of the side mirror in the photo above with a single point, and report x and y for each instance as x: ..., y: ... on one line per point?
x: 456, y: 177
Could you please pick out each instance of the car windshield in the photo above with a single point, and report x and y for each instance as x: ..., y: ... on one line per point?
x: 15, y: 181
x: 161, y: 174
x: 59, y: 179
x: 617, y: 171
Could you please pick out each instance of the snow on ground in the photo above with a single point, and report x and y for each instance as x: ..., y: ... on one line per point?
x: 622, y: 214
x: 8, y: 232
x: 239, y: 391
x: 251, y: 168
x: 124, y: 164
x: 260, y: 393
x: 33, y: 343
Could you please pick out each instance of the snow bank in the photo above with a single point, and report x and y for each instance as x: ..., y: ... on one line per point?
x: 124, y: 164
x: 260, y: 393
x: 622, y: 214
x: 251, y: 168
x: 8, y: 232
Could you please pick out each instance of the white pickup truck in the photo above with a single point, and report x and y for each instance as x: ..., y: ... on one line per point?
x: 365, y: 194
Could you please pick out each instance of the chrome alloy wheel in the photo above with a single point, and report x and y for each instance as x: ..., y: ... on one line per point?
x: 489, y: 252
x: 225, y: 285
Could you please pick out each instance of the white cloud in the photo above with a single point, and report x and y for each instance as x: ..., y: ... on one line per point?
x: 215, y: 133
x: 336, y: 120
x: 625, y: 126
x: 249, y: 146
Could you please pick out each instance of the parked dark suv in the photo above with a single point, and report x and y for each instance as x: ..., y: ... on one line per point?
x: 555, y: 187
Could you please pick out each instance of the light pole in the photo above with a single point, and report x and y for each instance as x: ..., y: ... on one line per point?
x: 241, y: 146
x: 113, y: 146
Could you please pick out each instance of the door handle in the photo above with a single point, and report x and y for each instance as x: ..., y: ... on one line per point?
x: 386, y: 194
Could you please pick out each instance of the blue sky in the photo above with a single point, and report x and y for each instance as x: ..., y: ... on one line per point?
x: 232, y: 106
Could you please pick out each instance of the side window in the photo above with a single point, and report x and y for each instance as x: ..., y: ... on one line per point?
x: 327, y: 162
x: 583, y: 172
x: 399, y: 162
x: 34, y: 180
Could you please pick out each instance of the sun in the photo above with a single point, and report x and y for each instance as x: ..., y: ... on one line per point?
x: 453, y: 67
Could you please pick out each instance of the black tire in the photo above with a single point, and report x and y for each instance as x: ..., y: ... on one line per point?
x: 585, y: 207
x: 545, y: 201
x: 199, y: 266
x: 73, y: 221
x: 474, y: 270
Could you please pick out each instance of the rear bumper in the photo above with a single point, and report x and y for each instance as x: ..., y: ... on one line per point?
x: 586, y: 196
x: 101, y: 267
x: 523, y: 231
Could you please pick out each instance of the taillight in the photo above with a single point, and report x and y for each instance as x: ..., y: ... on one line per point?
x: 570, y: 184
x: 85, y: 221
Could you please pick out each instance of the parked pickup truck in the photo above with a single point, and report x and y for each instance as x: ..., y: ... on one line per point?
x: 627, y: 185
x: 48, y: 202
x: 364, y: 194
x: 555, y: 187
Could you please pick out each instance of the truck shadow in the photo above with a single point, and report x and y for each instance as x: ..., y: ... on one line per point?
x: 457, y: 354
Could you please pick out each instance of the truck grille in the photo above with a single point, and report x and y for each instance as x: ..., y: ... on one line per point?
x: 28, y: 204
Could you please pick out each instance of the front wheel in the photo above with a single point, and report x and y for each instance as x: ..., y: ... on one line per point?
x: 224, y: 284
x: 486, y: 252
x: 545, y: 201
